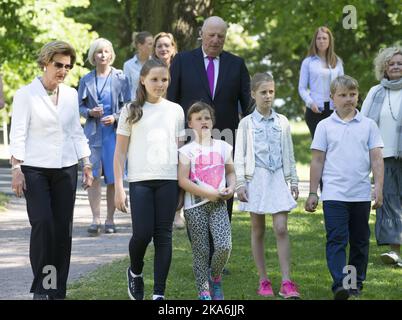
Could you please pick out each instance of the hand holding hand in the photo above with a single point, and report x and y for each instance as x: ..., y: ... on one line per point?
x: 226, y: 193
x: 214, y: 195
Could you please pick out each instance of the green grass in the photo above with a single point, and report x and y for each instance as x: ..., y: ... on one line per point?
x: 309, y: 268
x: 301, y: 144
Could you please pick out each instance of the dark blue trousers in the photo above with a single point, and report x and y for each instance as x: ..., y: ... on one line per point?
x: 347, y: 222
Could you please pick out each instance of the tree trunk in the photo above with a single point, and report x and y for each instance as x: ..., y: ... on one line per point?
x: 183, y: 18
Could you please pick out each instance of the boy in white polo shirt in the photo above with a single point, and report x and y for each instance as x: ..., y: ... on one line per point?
x: 345, y: 147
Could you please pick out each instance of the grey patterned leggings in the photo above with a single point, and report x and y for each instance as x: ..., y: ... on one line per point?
x: 209, y: 217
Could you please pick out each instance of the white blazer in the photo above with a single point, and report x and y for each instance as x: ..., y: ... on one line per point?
x: 44, y: 135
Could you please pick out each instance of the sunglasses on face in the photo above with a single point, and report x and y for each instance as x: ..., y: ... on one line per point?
x: 59, y: 65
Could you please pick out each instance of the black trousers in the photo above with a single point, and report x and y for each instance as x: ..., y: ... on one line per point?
x: 312, y: 119
x: 50, y: 197
x: 153, y: 206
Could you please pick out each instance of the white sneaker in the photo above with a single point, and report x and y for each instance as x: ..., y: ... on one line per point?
x: 390, y: 257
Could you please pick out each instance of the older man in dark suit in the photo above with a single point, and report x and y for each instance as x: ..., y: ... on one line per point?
x: 213, y: 76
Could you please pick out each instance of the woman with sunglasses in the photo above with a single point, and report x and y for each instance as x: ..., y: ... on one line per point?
x: 102, y: 93
x: 46, y: 143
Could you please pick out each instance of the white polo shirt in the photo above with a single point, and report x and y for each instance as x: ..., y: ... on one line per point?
x: 347, y: 162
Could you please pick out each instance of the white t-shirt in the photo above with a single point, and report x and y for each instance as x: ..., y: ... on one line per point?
x: 207, y: 167
x: 152, y: 151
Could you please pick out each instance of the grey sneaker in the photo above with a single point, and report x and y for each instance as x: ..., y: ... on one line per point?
x: 390, y: 257
x: 94, y: 229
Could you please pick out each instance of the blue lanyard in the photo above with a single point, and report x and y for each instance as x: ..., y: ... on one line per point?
x: 96, y: 82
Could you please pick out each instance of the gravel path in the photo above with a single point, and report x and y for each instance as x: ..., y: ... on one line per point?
x: 87, y: 252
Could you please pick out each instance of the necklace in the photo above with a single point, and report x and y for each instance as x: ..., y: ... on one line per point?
x: 51, y: 92
x: 389, y: 104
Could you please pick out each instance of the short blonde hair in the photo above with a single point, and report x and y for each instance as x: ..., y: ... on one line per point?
x: 344, y: 82
x: 100, y: 43
x: 50, y: 49
x: 382, y: 59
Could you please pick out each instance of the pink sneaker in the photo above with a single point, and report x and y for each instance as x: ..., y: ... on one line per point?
x: 289, y: 290
x: 265, y: 288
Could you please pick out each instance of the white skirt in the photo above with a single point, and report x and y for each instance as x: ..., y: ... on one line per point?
x: 268, y: 193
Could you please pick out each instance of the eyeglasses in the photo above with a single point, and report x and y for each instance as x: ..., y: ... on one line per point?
x: 59, y: 65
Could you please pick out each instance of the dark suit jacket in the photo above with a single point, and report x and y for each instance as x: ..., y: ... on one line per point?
x: 189, y: 83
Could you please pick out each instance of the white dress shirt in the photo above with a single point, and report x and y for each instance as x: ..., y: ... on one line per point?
x: 45, y: 135
x: 315, y: 81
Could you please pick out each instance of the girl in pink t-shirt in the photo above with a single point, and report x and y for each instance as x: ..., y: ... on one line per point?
x: 205, y: 168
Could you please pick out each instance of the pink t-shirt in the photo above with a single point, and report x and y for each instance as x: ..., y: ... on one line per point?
x: 207, y: 167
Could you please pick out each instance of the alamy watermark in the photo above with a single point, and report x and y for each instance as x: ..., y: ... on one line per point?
x: 350, y: 280
x: 50, y: 280
x: 350, y: 17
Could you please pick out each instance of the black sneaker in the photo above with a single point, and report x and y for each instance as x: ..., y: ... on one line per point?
x: 159, y: 298
x: 135, y: 286
x: 355, y: 292
x: 40, y: 296
x: 341, y: 293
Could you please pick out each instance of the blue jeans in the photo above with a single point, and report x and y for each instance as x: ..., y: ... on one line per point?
x: 347, y: 222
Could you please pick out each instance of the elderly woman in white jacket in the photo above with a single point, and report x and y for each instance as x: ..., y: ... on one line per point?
x: 46, y: 143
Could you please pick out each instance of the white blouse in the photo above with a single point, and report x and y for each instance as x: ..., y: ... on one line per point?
x: 45, y: 135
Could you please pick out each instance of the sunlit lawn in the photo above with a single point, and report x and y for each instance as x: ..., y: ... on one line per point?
x: 308, y: 264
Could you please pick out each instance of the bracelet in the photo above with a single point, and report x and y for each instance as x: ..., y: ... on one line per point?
x: 313, y: 194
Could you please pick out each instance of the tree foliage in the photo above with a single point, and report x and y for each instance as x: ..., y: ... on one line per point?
x: 114, y: 20
x: 270, y: 35
x: 284, y: 32
x: 26, y: 25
